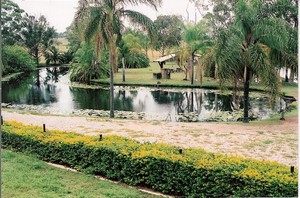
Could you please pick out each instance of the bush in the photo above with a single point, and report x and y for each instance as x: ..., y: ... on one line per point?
x: 16, y: 59
x: 134, y: 60
x: 194, y: 173
x: 84, y: 68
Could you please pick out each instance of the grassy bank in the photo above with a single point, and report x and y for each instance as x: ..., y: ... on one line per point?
x: 25, y: 176
x: 144, y: 77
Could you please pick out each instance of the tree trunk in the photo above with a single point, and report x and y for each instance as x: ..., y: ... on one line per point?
x: 36, y: 54
x: 123, y: 69
x: 286, y: 75
x: 216, y: 71
x: 192, y: 68
x: 292, y: 76
x: 246, y: 94
x: 111, y: 98
x: 1, y: 119
x: 216, y: 102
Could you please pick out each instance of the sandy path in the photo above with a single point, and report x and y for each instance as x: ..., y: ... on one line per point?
x: 277, y: 142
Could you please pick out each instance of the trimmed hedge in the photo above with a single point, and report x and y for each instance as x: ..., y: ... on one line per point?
x: 193, y: 173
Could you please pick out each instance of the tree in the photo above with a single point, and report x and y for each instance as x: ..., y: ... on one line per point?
x: 144, y: 40
x: 288, y: 58
x: 37, y: 36
x: 52, y: 55
x: 242, y: 50
x: 83, y: 68
x: 124, y: 51
x: 105, y: 25
x: 12, y: 19
x: 197, y: 39
x: 170, y: 30
x: 16, y: 59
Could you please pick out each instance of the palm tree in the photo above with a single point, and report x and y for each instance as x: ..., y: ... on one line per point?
x: 198, y: 40
x: 105, y: 25
x: 242, y: 50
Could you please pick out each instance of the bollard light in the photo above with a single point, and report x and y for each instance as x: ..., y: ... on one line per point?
x: 292, y: 169
x: 100, y: 137
x: 180, y: 151
x: 44, y: 127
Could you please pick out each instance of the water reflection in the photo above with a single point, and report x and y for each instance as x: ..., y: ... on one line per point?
x: 50, y: 87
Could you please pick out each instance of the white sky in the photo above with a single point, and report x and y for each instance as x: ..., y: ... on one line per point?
x: 60, y: 13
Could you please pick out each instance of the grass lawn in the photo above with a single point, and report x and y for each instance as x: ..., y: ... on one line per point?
x: 144, y: 76
x: 25, y: 176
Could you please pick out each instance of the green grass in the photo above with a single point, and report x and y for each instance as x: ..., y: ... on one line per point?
x: 144, y: 76
x: 25, y: 176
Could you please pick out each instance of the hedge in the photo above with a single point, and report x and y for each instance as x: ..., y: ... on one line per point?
x: 192, y: 172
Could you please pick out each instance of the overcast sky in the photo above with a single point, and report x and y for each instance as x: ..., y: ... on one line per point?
x: 60, y: 13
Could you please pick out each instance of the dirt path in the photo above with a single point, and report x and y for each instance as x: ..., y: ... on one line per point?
x: 275, y: 142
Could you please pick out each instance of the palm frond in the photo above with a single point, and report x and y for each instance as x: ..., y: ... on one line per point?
x: 92, y: 26
x: 142, y: 20
x: 152, y: 3
x: 271, y: 32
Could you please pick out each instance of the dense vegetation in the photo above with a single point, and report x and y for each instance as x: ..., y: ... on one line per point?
x: 187, y: 172
x: 27, y: 38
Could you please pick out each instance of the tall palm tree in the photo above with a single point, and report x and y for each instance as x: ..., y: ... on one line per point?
x: 242, y: 50
x: 105, y: 24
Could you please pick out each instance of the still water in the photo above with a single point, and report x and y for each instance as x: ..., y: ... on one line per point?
x: 50, y: 87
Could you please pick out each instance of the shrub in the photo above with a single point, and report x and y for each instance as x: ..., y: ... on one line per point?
x: 194, y: 173
x: 16, y: 59
x: 85, y: 68
x: 134, y: 60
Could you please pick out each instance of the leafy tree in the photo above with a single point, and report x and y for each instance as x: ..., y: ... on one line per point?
x: 74, y: 35
x: 170, y: 30
x: 37, y: 36
x: 16, y: 59
x: 288, y: 58
x: 11, y: 19
x: 105, y: 25
x: 242, y: 50
x: 144, y: 40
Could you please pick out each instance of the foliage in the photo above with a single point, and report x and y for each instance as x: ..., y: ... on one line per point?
x: 159, y: 166
x: 144, y: 40
x: 134, y: 60
x: 67, y: 57
x: 52, y: 55
x: 85, y: 68
x: 170, y: 29
x: 11, y: 19
x: 16, y: 59
x: 37, y: 35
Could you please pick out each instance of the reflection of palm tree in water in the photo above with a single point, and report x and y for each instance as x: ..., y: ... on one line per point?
x: 52, y: 74
x: 186, y: 104
x: 38, y: 82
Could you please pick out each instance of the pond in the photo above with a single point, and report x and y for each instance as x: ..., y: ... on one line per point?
x: 50, y: 88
